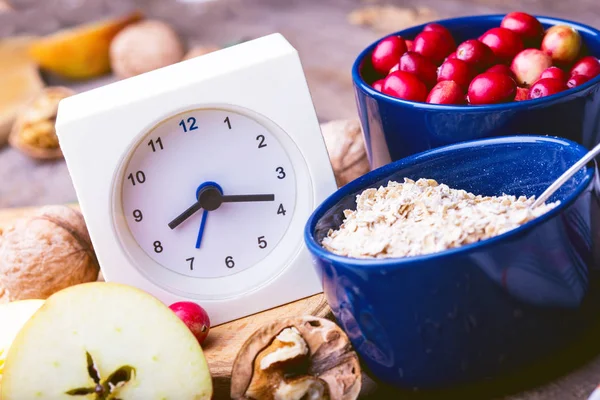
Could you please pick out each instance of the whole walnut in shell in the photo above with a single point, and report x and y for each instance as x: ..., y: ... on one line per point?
x: 143, y: 47
x: 346, y: 148
x: 45, y: 253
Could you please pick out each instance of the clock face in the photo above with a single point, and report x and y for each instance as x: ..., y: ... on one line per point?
x: 208, y: 193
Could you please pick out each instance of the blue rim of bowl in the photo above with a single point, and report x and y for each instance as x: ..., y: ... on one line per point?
x: 378, y: 174
x: 365, y: 87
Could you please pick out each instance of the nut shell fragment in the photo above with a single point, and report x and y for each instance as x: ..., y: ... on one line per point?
x: 34, y: 132
x: 330, y: 369
x: 47, y: 252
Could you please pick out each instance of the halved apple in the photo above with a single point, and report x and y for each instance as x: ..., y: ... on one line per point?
x: 105, y: 341
x: 12, y: 318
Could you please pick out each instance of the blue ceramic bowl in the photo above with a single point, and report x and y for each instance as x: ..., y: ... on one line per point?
x: 394, y: 128
x: 482, y: 309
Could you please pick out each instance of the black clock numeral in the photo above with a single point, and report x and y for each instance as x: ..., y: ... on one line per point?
x: 229, y: 262
x: 139, y: 177
x: 227, y: 122
x: 261, y: 140
x: 262, y: 243
x: 158, y: 144
x: 158, y: 247
x: 281, y: 173
x: 191, y: 124
x: 137, y: 214
x: 281, y: 210
x: 191, y: 261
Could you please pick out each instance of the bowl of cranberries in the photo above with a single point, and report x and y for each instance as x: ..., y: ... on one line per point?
x: 474, y: 77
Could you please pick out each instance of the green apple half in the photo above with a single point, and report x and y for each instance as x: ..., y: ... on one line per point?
x: 12, y: 318
x: 105, y: 341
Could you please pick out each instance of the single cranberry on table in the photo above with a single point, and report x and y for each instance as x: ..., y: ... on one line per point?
x: 475, y: 53
x: 435, y: 27
x: 546, y: 87
x: 555, y: 73
x: 505, y: 43
x: 502, y: 69
x: 562, y: 43
x: 419, y: 65
x: 522, y: 94
x: 588, y: 66
x: 576, y: 80
x: 446, y: 92
x: 194, y: 317
x: 387, y: 53
x: 527, y: 26
x: 492, y: 88
x: 433, y: 45
x: 456, y: 70
x: 528, y: 66
x: 378, y: 85
x: 405, y: 85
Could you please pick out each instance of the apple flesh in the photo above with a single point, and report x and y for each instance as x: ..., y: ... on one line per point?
x: 527, y: 26
x: 110, y: 333
x: 528, y: 66
x: 562, y: 43
x: 194, y: 317
x: 12, y: 318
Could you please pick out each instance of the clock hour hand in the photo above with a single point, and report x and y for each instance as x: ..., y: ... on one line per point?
x: 247, y: 197
x: 185, y: 215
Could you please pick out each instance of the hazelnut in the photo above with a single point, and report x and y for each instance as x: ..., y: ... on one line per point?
x: 46, y: 252
x: 199, y: 51
x: 144, y: 46
x: 296, y: 358
x: 346, y: 148
x: 34, y: 132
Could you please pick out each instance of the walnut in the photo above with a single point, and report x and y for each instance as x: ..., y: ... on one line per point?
x: 296, y: 358
x: 346, y: 148
x: 33, y: 132
x: 46, y: 252
x: 143, y: 47
x: 200, y: 51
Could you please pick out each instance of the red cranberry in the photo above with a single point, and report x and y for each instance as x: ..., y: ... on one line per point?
x: 562, y: 43
x: 433, y: 45
x: 446, y: 92
x: 525, y: 25
x: 434, y: 27
x: 522, y: 94
x: 452, y: 56
x: 387, y: 53
x: 394, y: 68
x: 554, y: 73
x: 546, y: 87
x: 491, y: 88
x: 502, y: 69
x: 378, y: 85
x: 456, y: 70
x: 588, y: 66
x: 476, y: 53
x: 505, y: 43
x: 410, y: 45
x: 528, y: 66
x: 405, y: 85
x: 422, y: 67
x: 576, y: 80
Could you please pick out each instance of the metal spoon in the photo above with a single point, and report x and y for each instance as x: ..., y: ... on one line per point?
x: 566, y: 176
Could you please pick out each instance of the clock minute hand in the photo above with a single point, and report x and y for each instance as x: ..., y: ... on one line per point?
x: 185, y: 215
x: 240, y: 198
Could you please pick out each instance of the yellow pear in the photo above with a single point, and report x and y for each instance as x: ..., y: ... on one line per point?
x: 81, y: 52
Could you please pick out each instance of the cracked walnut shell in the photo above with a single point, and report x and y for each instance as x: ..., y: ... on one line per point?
x: 34, y: 132
x: 297, y: 358
x: 45, y: 253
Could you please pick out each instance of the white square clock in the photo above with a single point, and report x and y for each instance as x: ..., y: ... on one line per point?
x: 196, y: 180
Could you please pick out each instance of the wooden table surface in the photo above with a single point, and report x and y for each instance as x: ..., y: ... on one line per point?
x: 327, y: 44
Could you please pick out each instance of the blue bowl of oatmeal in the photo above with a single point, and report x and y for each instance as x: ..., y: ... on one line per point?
x: 459, y: 305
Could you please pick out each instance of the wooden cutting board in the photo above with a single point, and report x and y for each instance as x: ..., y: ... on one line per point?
x: 223, y: 341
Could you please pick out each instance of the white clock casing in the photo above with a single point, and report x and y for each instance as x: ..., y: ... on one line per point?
x: 260, y: 82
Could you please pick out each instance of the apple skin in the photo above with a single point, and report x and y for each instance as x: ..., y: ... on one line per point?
x: 194, y: 317
x: 562, y: 43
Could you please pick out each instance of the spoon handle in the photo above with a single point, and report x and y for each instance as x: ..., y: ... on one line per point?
x: 566, y: 176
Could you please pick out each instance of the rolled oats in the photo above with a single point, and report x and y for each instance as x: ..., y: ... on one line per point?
x: 423, y: 217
